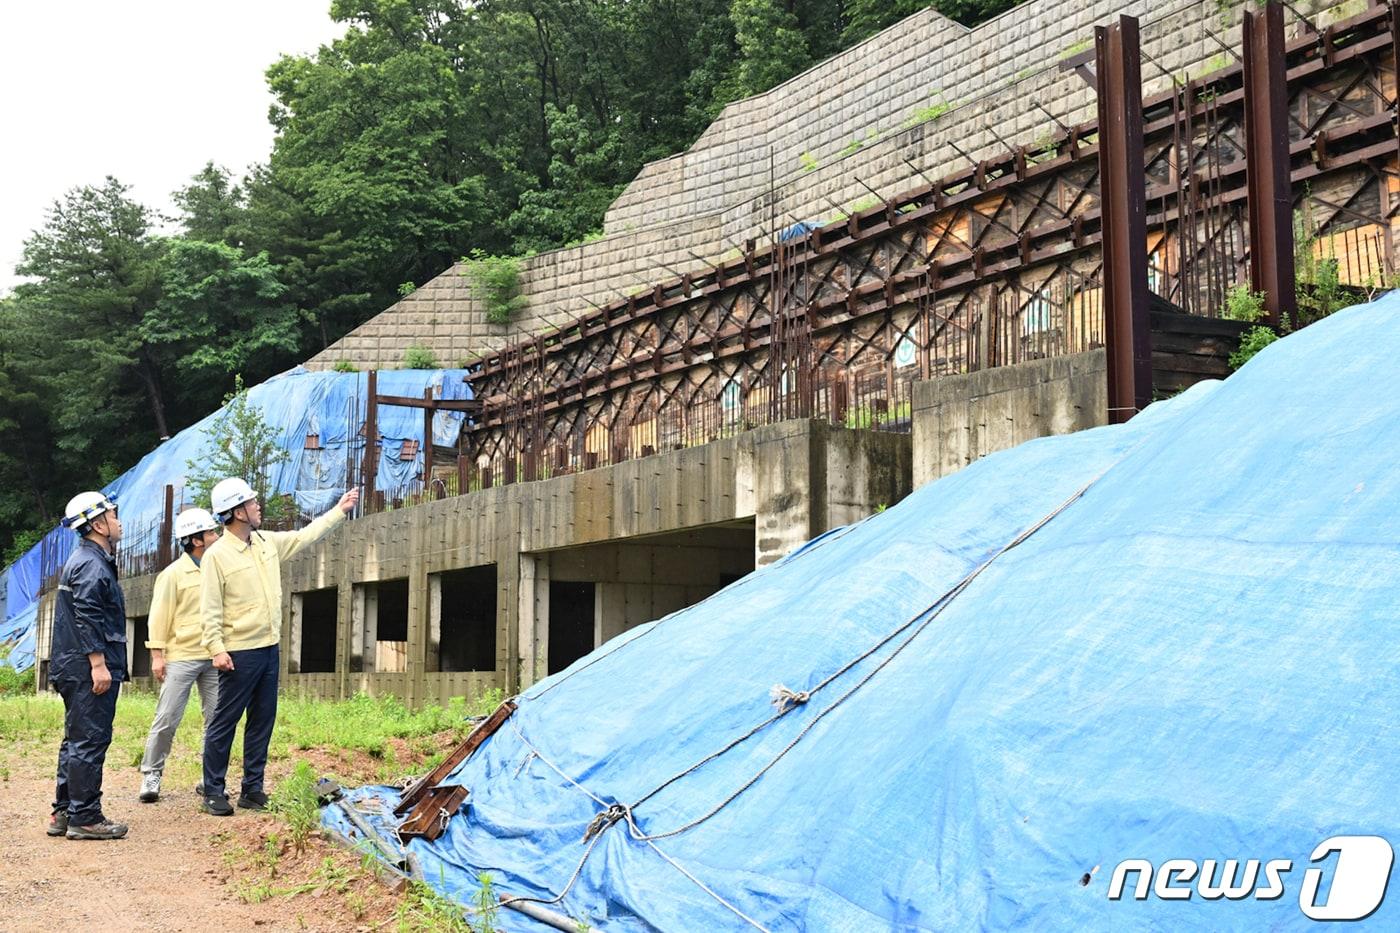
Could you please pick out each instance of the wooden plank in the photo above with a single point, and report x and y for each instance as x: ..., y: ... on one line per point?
x: 1195, y: 324
x: 1194, y: 344
x: 1205, y: 366
x: 459, y: 754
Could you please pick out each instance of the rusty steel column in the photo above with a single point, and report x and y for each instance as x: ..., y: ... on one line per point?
x: 1123, y: 202
x: 165, y: 555
x: 428, y: 413
x: 1267, y: 165
x: 370, y: 467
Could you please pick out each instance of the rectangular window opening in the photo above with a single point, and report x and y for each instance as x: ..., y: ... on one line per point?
x: 314, y: 617
x: 464, y: 622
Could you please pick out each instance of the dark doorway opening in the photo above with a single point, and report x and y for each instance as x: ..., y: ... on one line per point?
x: 467, y: 619
x: 319, y: 610
x: 140, y: 654
x: 571, y: 607
x: 393, y: 610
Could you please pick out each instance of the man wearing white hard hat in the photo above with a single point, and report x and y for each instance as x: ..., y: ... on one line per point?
x: 241, y: 604
x: 87, y: 663
x: 178, y: 658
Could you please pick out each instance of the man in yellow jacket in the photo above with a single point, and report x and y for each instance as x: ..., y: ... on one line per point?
x: 178, y: 659
x: 241, y: 605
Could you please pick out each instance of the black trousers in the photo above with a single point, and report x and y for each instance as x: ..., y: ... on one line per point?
x: 252, y: 687
x: 87, y: 731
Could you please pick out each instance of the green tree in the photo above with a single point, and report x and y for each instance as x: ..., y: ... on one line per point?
x: 29, y: 485
x: 772, y: 45
x: 219, y: 312
x: 242, y: 444
x: 582, y: 183
x: 212, y: 206
x: 95, y: 268
x: 369, y: 179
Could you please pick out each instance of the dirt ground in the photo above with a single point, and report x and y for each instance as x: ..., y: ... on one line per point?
x: 177, y: 869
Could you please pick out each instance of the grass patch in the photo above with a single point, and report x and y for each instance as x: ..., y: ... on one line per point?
x: 13, y: 682
x: 367, y: 723
x: 33, y: 724
x: 295, y: 801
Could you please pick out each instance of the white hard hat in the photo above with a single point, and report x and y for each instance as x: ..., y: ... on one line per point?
x: 86, y: 506
x: 192, y: 522
x: 229, y: 494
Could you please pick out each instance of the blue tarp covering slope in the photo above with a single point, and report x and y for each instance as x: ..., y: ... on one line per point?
x: 1194, y: 659
x: 294, y: 404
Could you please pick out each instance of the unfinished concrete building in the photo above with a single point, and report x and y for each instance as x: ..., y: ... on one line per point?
x: 815, y: 341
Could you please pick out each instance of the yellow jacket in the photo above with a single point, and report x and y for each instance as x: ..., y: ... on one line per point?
x: 240, y: 592
x: 175, y: 624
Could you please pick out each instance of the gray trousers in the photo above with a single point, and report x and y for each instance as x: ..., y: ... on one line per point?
x: 180, y: 676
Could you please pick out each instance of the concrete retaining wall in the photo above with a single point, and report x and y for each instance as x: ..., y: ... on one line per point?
x: 959, y: 419
x: 851, y: 119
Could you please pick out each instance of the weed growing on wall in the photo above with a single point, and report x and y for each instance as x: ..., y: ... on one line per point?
x: 417, y: 357
x: 496, y: 281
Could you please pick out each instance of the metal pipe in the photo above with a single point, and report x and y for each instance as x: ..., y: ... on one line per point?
x: 396, y: 857
x: 536, y: 912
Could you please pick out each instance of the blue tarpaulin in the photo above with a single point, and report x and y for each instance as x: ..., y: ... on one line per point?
x: 294, y: 404
x: 1174, y: 638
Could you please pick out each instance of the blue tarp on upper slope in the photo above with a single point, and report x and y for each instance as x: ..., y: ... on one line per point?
x: 1194, y: 659
x: 294, y: 404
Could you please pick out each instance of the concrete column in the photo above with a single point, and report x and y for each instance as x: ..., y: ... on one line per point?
x: 532, y: 633
x: 787, y: 465
x: 344, y: 631
x: 291, y: 655
x: 433, y: 661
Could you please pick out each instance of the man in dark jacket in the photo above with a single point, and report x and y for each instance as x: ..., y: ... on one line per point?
x: 87, y: 663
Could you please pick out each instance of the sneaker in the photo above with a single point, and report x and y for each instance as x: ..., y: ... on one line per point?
x: 199, y: 789
x: 252, y: 800
x: 104, y: 830
x: 150, y: 787
x: 58, y: 823
x: 218, y: 806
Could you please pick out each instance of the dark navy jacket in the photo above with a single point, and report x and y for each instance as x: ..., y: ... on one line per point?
x: 90, y: 616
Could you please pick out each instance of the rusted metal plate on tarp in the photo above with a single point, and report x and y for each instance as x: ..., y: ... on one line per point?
x: 459, y: 754
x: 431, y: 814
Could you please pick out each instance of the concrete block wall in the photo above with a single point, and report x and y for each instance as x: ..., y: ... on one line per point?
x: 446, y: 317
x: 709, y: 199
x: 960, y: 419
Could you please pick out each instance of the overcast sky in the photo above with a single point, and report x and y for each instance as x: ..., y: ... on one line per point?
x: 147, y: 91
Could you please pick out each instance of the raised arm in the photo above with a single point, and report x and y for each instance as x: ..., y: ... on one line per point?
x: 290, y: 542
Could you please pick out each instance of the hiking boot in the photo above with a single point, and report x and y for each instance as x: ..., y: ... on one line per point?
x: 104, y: 830
x: 150, y: 787
x: 58, y: 823
x: 252, y: 800
x: 218, y: 806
